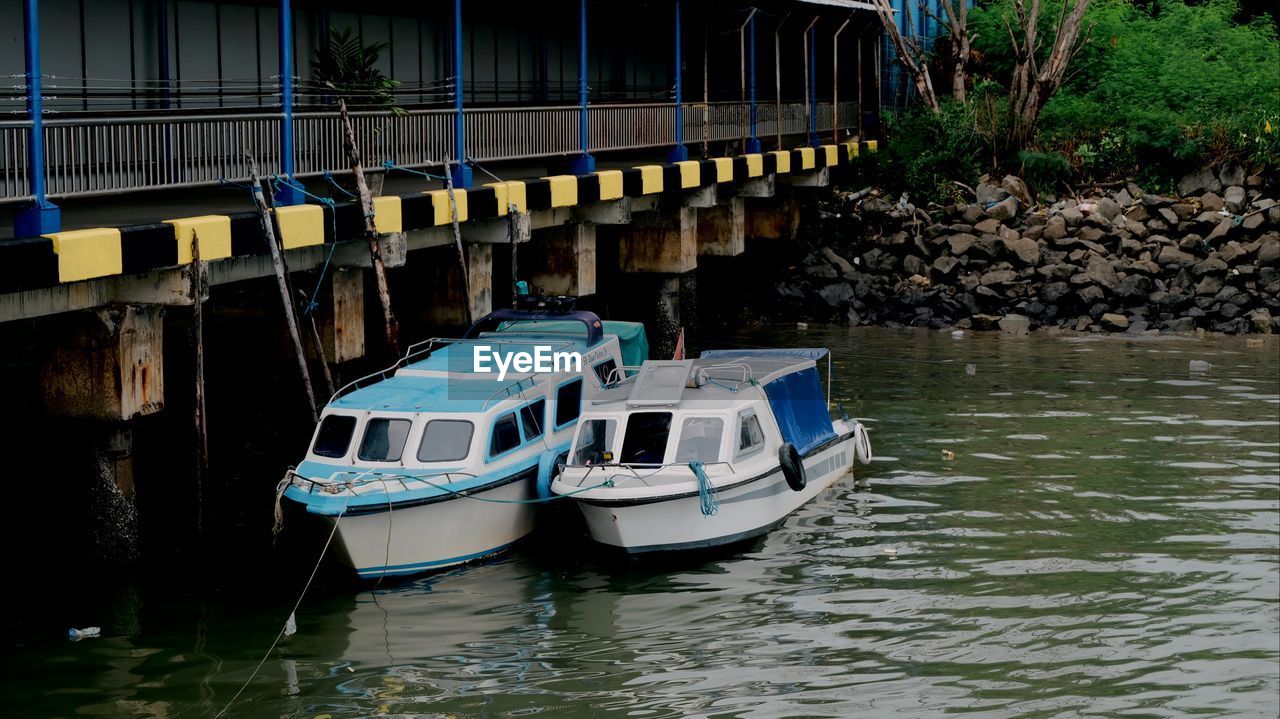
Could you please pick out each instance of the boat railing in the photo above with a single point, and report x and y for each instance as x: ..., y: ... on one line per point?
x: 650, y: 469
x: 353, y: 480
x: 421, y: 350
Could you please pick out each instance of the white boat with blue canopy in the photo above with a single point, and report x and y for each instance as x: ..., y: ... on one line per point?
x: 692, y: 454
x: 431, y: 463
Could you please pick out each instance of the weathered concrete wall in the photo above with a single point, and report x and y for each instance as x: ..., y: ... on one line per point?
x: 106, y: 364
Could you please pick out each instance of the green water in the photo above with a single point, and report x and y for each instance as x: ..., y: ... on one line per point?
x: 1105, y: 542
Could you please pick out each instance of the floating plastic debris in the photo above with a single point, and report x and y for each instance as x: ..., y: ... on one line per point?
x: 971, y: 369
x: 802, y: 325
x: 76, y: 635
x: 948, y: 455
x: 291, y: 626
x: 891, y: 551
x: 1254, y: 342
x: 957, y: 333
x: 1200, y: 366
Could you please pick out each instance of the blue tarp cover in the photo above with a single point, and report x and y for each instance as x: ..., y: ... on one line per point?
x: 632, y: 341
x: 813, y: 353
x: 800, y: 408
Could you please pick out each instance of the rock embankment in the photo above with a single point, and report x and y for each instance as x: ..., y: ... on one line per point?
x: 1122, y: 260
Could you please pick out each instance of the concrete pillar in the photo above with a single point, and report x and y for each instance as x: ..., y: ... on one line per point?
x: 561, y: 260
x: 448, y: 301
x: 342, y: 318
x: 113, y: 511
x: 106, y: 364
x: 722, y: 229
x: 661, y: 241
x: 773, y: 219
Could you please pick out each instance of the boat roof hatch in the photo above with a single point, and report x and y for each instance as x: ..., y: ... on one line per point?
x: 660, y: 383
x: 494, y: 320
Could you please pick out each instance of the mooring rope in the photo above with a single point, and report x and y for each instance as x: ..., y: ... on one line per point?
x: 708, y: 498
x: 285, y: 627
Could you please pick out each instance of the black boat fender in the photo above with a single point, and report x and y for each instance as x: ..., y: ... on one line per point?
x: 792, y: 467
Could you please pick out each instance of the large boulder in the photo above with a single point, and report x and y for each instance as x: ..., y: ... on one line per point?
x: 998, y: 278
x: 1055, y: 228
x: 1260, y: 320
x: 1004, y: 209
x: 1211, y: 202
x: 1172, y: 256
x: 1133, y: 287
x: 1100, y: 272
x: 1027, y: 251
x: 1115, y: 322
x: 841, y: 264
x: 945, y: 265
x: 1233, y: 199
x: 1202, y: 180
x: 988, y: 193
x: 960, y: 243
x: 837, y: 295
x: 1017, y: 188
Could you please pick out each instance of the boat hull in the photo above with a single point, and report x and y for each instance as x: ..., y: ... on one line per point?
x: 428, y: 537
x: 745, y: 511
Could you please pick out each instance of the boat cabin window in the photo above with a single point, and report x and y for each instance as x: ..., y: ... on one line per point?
x: 384, y: 439
x: 568, y: 402
x: 506, y: 435
x: 645, y: 441
x: 445, y: 440
x: 604, y: 370
x: 334, y: 436
x: 750, y: 436
x: 533, y: 417
x: 594, y: 440
x: 700, y: 439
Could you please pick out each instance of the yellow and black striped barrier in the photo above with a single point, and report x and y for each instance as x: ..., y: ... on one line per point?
x: 86, y: 254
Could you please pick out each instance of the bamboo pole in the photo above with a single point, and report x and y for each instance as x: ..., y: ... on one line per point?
x: 391, y: 327
x: 457, y: 242
x: 282, y: 282
x: 199, y: 286
x: 318, y: 345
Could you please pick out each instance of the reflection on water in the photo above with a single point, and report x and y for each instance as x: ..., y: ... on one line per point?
x: 1105, y: 542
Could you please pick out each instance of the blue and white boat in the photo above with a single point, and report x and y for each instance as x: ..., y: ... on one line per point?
x: 430, y: 463
x: 691, y: 454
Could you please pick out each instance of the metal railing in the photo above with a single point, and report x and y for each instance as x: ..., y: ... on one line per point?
x: 96, y: 156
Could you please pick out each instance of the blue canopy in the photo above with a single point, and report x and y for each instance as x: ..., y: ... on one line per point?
x: 800, y: 408
x: 813, y: 353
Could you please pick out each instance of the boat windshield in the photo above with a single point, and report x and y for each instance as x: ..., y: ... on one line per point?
x: 645, y: 441
x: 700, y: 440
x: 334, y: 436
x: 594, y: 440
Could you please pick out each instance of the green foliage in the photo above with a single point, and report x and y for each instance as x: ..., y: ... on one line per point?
x: 924, y: 152
x: 349, y: 69
x: 1044, y: 170
x: 1160, y: 89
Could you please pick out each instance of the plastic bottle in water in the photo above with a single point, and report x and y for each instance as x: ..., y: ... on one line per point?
x: 76, y: 635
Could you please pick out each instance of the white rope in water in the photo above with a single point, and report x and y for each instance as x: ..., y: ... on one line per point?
x: 285, y: 627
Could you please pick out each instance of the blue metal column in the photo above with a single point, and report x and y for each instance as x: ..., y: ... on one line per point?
x: 285, y: 193
x: 584, y: 163
x: 753, y: 142
x: 813, y: 87
x: 679, y: 152
x: 461, y: 172
x: 41, y: 216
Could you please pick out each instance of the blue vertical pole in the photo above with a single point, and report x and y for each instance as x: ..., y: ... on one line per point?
x: 461, y: 171
x: 286, y: 194
x: 753, y: 142
x: 41, y: 216
x: 679, y: 152
x: 583, y: 163
x: 813, y: 87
